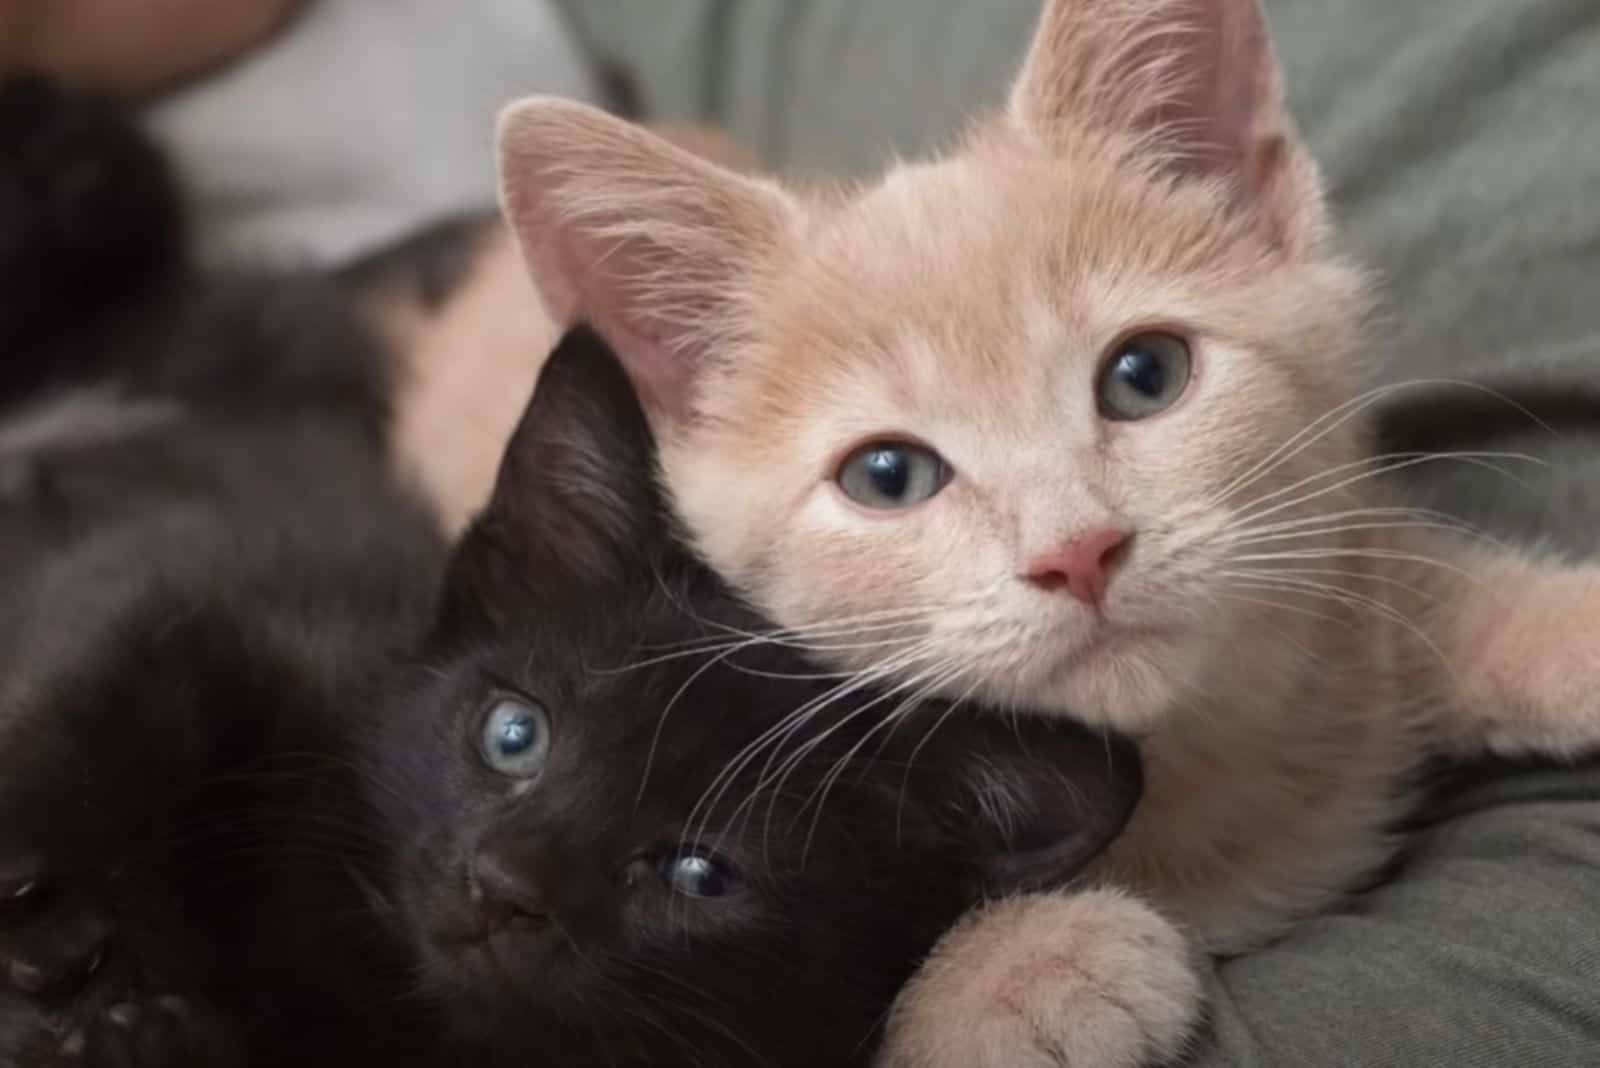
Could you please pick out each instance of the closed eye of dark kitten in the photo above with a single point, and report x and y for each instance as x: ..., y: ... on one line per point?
x: 280, y: 786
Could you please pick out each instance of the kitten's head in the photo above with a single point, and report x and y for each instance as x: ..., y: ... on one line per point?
x: 1014, y: 415
x: 581, y: 883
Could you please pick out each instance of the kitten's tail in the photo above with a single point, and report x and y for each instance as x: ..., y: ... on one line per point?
x: 91, y: 220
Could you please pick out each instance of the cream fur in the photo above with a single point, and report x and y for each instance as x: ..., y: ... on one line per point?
x: 1013, y: 966
x: 464, y: 373
x: 1288, y: 643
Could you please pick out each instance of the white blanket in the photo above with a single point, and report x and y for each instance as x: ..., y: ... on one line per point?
x: 364, y: 119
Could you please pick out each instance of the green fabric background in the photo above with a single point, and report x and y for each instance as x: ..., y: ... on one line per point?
x: 1461, y: 141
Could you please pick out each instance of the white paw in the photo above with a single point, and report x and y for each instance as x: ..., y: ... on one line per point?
x: 1089, y: 980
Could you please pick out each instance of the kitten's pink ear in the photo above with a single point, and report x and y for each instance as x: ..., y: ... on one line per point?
x: 648, y: 243
x: 1196, y: 81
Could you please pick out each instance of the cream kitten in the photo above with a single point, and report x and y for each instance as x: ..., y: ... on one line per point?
x: 1071, y: 417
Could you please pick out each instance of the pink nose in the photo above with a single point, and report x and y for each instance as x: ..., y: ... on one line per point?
x: 1082, y: 566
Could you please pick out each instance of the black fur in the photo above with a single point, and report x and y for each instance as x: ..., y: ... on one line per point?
x: 90, y: 223
x: 244, y: 813
x: 194, y: 577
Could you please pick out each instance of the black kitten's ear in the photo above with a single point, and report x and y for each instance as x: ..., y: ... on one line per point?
x: 1033, y: 799
x: 575, y: 507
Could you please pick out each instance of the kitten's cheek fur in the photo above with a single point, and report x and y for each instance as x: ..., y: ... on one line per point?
x: 1096, y: 979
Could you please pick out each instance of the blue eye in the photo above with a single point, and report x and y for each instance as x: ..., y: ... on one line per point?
x: 697, y: 875
x: 515, y: 738
x: 1146, y: 374
x: 892, y: 474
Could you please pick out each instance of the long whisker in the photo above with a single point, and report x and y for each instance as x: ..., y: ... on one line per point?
x: 1278, y: 605
x: 804, y: 639
x: 1377, y: 467
x: 776, y: 778
x: 1239, y: 529
x: 1303, y: 439
x: 793, y: 721
x: 820, y: 795
x: 1323, y: 572
x: 1353, y: 598
x: 916, y: 751
x: 1330, y: 532
x: 773, y: 779
x: 726, y: 644
x: 900, y: 613
x: 1330, y: 421
x: 1368, y: 553
x: 655, y: 739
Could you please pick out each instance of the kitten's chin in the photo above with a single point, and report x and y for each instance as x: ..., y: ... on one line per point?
x: 507, y: 975
x: 503, y: 956
x: 1129, y: 679
x: 478, y: 960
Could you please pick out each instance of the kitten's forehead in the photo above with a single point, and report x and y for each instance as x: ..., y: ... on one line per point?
x: 947, y: 281
x: 981, y: 290
x: 1002, y: 213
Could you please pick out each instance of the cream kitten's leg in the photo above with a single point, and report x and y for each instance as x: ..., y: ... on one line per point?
x: 1095, y: 979
x: 1522, y: 639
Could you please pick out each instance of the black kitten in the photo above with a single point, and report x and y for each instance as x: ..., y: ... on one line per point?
x: 281, y: 785
x: 202, y: 559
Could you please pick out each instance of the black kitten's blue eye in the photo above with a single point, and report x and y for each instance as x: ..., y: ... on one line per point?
x: 1145, y: 375
x: 892, y: 474
x: 515, y: 738
x: 697, y: 875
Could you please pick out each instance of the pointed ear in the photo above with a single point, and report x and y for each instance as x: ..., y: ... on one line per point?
x: 576, y: 509
x: 1196, y: 81
x: 1035, y: 799
x: 648, y: 242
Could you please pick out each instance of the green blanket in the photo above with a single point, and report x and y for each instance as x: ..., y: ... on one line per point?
x: 1461, y: 140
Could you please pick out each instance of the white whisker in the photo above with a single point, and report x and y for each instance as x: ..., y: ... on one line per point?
x: 1395, y: 555
x: 1341, y: 413
x: 775, y: 778
x: 776, y: 734
x: 1386, y: 465
x: 1365, y: 576
x: 1354, y: 599
x: 1348, y: 528
x: 820, y: 795
x: 1239, y: 528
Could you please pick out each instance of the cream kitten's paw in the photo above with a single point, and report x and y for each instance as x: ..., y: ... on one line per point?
x: 1089, y: 980
x: 1520, y: 645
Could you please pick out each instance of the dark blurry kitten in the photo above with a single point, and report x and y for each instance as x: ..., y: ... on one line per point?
x: 281, y: 782
x: 201, y: 555
x: 131, y: 383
